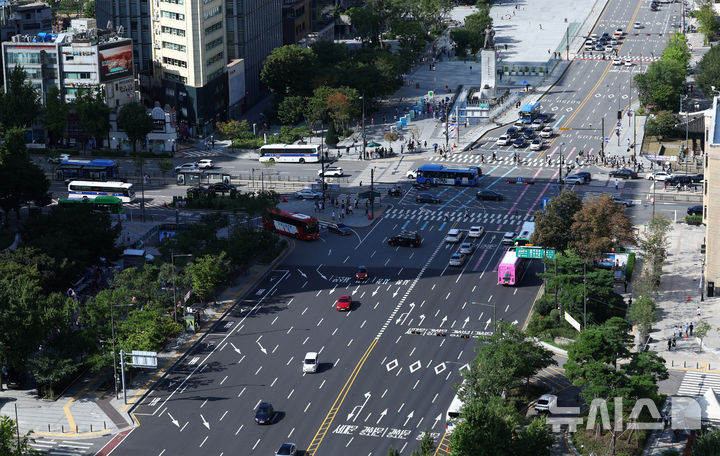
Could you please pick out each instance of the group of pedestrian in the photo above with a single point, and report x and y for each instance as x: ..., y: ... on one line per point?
x: 678, y: 333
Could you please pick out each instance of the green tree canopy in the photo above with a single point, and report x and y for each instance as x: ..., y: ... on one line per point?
x: 289, y: 70
x: 9, y: 441
x: 55, y: 115
x: 94, y: 113
x: 707, y: 444
x: 552, y: 226
x: 207, y: 273
x: 135, y: 121
x: 662, y: 84
x: 707, y: 18
x: 20, y: 106
x: 601, y: 226
x: 709, y: 70
x: 664, y: 123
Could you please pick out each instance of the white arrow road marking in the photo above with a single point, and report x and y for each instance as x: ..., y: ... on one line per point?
x: 515, y: 322
x: 353, y: 415
x: 467, y: 320
x: 174, y: 421
x: 321, y: 274
x: 261, y: 348
x: 382, y: 414
x: 302, y: 274
x: 237, y: 350
x: 443, y: 321
x: 205, y: 423
x: 410, y: 415
x: 465, y: 366
x: 487, y: 323
x: 422, y: 318
x: 437, y: 418
x: 403, y: 316
x: 376, y: 290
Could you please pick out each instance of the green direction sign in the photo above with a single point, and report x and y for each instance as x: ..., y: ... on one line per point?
x: 535, y: 252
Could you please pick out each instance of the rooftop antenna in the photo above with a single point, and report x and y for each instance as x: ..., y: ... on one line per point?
x: 109, y: 25
x: 120, y: 30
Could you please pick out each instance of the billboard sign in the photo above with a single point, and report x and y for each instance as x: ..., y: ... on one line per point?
x: 115, y: 60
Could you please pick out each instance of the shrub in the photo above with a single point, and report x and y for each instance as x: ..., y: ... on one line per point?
x: 693, y: 219
x: 630, y: 266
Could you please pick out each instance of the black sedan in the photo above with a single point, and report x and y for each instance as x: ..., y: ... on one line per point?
x: 426, y: 198
x: 221, y: 187
x: 529, y: 133
x: 264, y: 413
x: 585, y: 175
x: 624, y: 173
x: 678, y: 179
x: 490, y: 195
x: 339, y: 228
x: 512, y: 132
x: 198, y: 192
x: 520, y: 142
x: 695, y: 210
x: 697, y: 178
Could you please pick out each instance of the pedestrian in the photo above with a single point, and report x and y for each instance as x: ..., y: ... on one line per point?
x: 674, y: 342
x: 675, y: 331
x: 540, y: 26
x: 698, y: 311
x: 333, y: 214
x: 617, y: 184
x: 360, y: 183
x: 666, y: 419
x: 687, y: 329
x: 691, y: 328
x: 669, y: 344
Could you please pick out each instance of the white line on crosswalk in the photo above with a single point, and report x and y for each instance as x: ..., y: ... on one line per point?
x: 697, y: 383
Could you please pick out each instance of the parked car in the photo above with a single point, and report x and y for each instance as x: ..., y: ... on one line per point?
x: 186, y: 167
x: 307, y: 193
x: 537, y: 144
x: 485, y: 195
x: 546, y: 402
x: 624, y: 173
x: 695, y: 210
x: 503, y: 140
x: 205, y: 163
x: 546, y: 132
x: 426, y: 198
x: 197, y: 191
x: 574, y: 179
x: 339, y: 228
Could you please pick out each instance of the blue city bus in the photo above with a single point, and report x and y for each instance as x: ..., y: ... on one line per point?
x: 99, y: 169
x: 529, y: 112
x: 440, y: 175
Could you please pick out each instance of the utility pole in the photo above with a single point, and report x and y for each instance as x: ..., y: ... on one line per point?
x: 687, y: 126
x: 602, y: 137
x: 447, y: 126
x: 322, y: 164
x: 112, y: 328
x: 372, y: 193
x: 567, y: 43
x: 560, y: 165
x: 584, y: 296
x: 363, y: 126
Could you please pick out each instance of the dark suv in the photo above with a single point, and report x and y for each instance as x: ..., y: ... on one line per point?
x: 406, y: 239
x: 678, y: 179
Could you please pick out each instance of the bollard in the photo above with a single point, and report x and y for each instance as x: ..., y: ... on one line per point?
x: 48, y: 427
x: 76, y: 429
x: 90, y: 427
x: 62, y: 428
x: 105, y: 425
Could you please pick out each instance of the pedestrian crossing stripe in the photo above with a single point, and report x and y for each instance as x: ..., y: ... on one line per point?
x: 697, y: 383
x: 436, y: 216
x: 624, y: 57
x: 536, y: 162
x: 199, y: 153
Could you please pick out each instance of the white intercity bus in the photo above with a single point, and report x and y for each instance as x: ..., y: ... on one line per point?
x: 290, y: 153
x: 91, y: 190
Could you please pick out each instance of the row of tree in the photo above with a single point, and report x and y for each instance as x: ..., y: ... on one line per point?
x: 662, y: 85
x: 471, y: 37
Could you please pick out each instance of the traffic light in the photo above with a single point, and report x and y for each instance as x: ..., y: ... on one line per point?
x: 619, y: 115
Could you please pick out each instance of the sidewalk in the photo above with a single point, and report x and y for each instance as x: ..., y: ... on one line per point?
x: 88, y: 408
x: 679, y: 296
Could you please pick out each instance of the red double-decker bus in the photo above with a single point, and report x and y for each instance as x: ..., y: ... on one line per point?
x: 293, y: 224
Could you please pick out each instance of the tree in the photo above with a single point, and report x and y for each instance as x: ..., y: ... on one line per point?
x: 601, y: 226
x: 536, y: 440
x: 411, y: 37
x: 291, y: 110
x: 427, y: 445
x: 89, y: 9
x: 55, y: 115
x: 21, y: 181
x: 20, y: 106
x: 503, y: 362
x: 94, y: 114
x: 165, y: 166
x: 661, y: 85
x: 331, y: 138
x: 486, y: 428
x: 643, y: 313
x: 701, y: 330
x: 393, y: 452
x: 664, y: 123
x: 135, y: 121
x: 709, y: 70
x: 552, y: 226
x: 707, y: 18
x: 289, y: 70
x: 207, y: 273
x: 367, y: 23
x: 707, y: 444
x: 653, y: 245
x: 9, y: 445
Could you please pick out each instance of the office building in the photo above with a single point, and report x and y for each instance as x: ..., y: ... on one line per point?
x: 711, y: 199
x: 296, y: 20
x: 25, y: 19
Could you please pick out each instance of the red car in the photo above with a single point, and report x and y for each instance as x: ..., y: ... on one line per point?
x: 361, y: 274
x: 343, y: 303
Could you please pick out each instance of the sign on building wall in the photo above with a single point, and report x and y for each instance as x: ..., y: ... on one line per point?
x: 115, y: 60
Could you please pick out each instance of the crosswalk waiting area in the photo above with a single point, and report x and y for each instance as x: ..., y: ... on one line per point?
x: 431, y: 215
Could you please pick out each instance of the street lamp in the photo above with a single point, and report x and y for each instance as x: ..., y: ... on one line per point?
x: 362, y: 97
x: 562, y: 146
x: 172, y: 262
x: 112, y: 329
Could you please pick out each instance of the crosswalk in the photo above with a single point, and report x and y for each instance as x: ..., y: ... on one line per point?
x: 697, y: 383
x: 506, y: 161
x: 634, y: 59
x: 199, y: 153
x: 424, y: 215
x: 52, y: 447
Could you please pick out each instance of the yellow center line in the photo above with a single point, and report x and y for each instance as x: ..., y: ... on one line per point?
x: 327, y: 422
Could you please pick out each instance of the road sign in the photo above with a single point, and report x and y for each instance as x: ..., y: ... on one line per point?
x: 535, y: 252
x: 545, y: 202
x: 619, y: 124
x: 564, y: 129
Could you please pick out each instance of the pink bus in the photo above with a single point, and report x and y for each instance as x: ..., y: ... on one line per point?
x: 510, y: 268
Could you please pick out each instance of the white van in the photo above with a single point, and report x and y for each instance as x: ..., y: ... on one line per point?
x: 310, y: 363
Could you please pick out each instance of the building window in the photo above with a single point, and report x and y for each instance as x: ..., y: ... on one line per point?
x: 212, y: 28
x: 214, y: 43
x: 177, y: 2
x: 214, y: 58
x: 175, y: 62
x: 215, y: 74
x: 171, y: 15
x: 213, y: 12
x: 78, y: 75
x: 173, y: 31
x: 174, y: 77
x: 173, y: 46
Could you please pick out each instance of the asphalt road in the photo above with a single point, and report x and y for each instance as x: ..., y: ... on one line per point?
x: 389, y: 365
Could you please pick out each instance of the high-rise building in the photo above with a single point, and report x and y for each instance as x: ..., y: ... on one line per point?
x: 134, y: 17
x: 296, y: 20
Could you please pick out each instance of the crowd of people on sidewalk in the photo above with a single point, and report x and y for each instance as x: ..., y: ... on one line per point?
x: 678, y: 333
